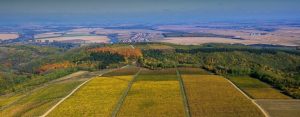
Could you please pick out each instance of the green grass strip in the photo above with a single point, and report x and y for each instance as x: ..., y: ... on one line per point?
x: 125, y: 93
x: 183, y: 94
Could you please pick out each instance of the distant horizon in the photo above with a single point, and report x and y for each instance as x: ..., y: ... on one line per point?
x: 146, y: 11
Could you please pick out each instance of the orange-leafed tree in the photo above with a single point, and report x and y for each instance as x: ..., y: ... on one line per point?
x: 53, y: 66
x: 125, y: 52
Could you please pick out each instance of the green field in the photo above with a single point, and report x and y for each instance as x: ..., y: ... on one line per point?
x: 38, y: 101
x: 154, y: 95
x: 212, y: 96
x: 257, y: 89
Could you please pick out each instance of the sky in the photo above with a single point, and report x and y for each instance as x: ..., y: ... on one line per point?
x: 145, y: 11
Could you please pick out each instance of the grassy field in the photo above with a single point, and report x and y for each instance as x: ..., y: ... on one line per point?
x: 39, y: 100
x: 212, y: 96
x: 36, y: 103
x: 191, y: 70
x: 96, y: 98
x: 280, y: 107
x: 257, y: 89
x: 6, y: 100
x: 154, y: 95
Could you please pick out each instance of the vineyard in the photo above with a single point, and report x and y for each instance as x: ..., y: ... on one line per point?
x: 257, y: 89
x: 154, y: 95
x: 36, y: 102
x: 211, y: 95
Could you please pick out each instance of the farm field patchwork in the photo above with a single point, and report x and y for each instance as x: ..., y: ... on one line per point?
x: 257, y: 89
x: 280, y: 107
x: 87, y: 39
x: 211, y: 95
x: 154, y: 95
x: 96, y: 98
x: 203, y: 40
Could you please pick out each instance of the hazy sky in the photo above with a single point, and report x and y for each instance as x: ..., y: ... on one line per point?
x: 146, y: 11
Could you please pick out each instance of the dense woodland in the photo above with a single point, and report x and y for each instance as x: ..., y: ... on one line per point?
x: 23, y: 67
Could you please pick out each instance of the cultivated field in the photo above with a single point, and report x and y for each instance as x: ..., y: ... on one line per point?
x: 190, y: 70
x: 203, y: 40
x: 280, y: 107
x: 76, y: 39
x: 278, y: 35
x: 37, y: 102
x: 8, y: 36
x: 48, y: 34
x: 96, y: 98
x: 123, y: 72
x: 154, y: 95
x: 257, y: 89
x: 212, y: 96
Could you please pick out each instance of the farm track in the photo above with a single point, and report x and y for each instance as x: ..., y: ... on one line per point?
x: 183, y: 94
x: 123, y: 97
x: 252, y: 100
x: 75, y: 74
x: 73, y: 91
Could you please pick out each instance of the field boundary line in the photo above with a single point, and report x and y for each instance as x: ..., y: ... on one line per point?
x: 73, y: 91
x: 266, y: 114
x: 124, y: 95
x: 183, y: 93
x: 63, y: 99
x: 38, y: 88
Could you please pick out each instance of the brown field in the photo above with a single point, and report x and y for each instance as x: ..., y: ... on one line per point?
x: 212, y: 96
x: 191, y: 70
x: 86, y: 39
x: 8, y: 36
x: 122, y: 72
x: 203, y: 40
x: 48, y: 34
x: 280, y: 108
x: 284, y: 35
